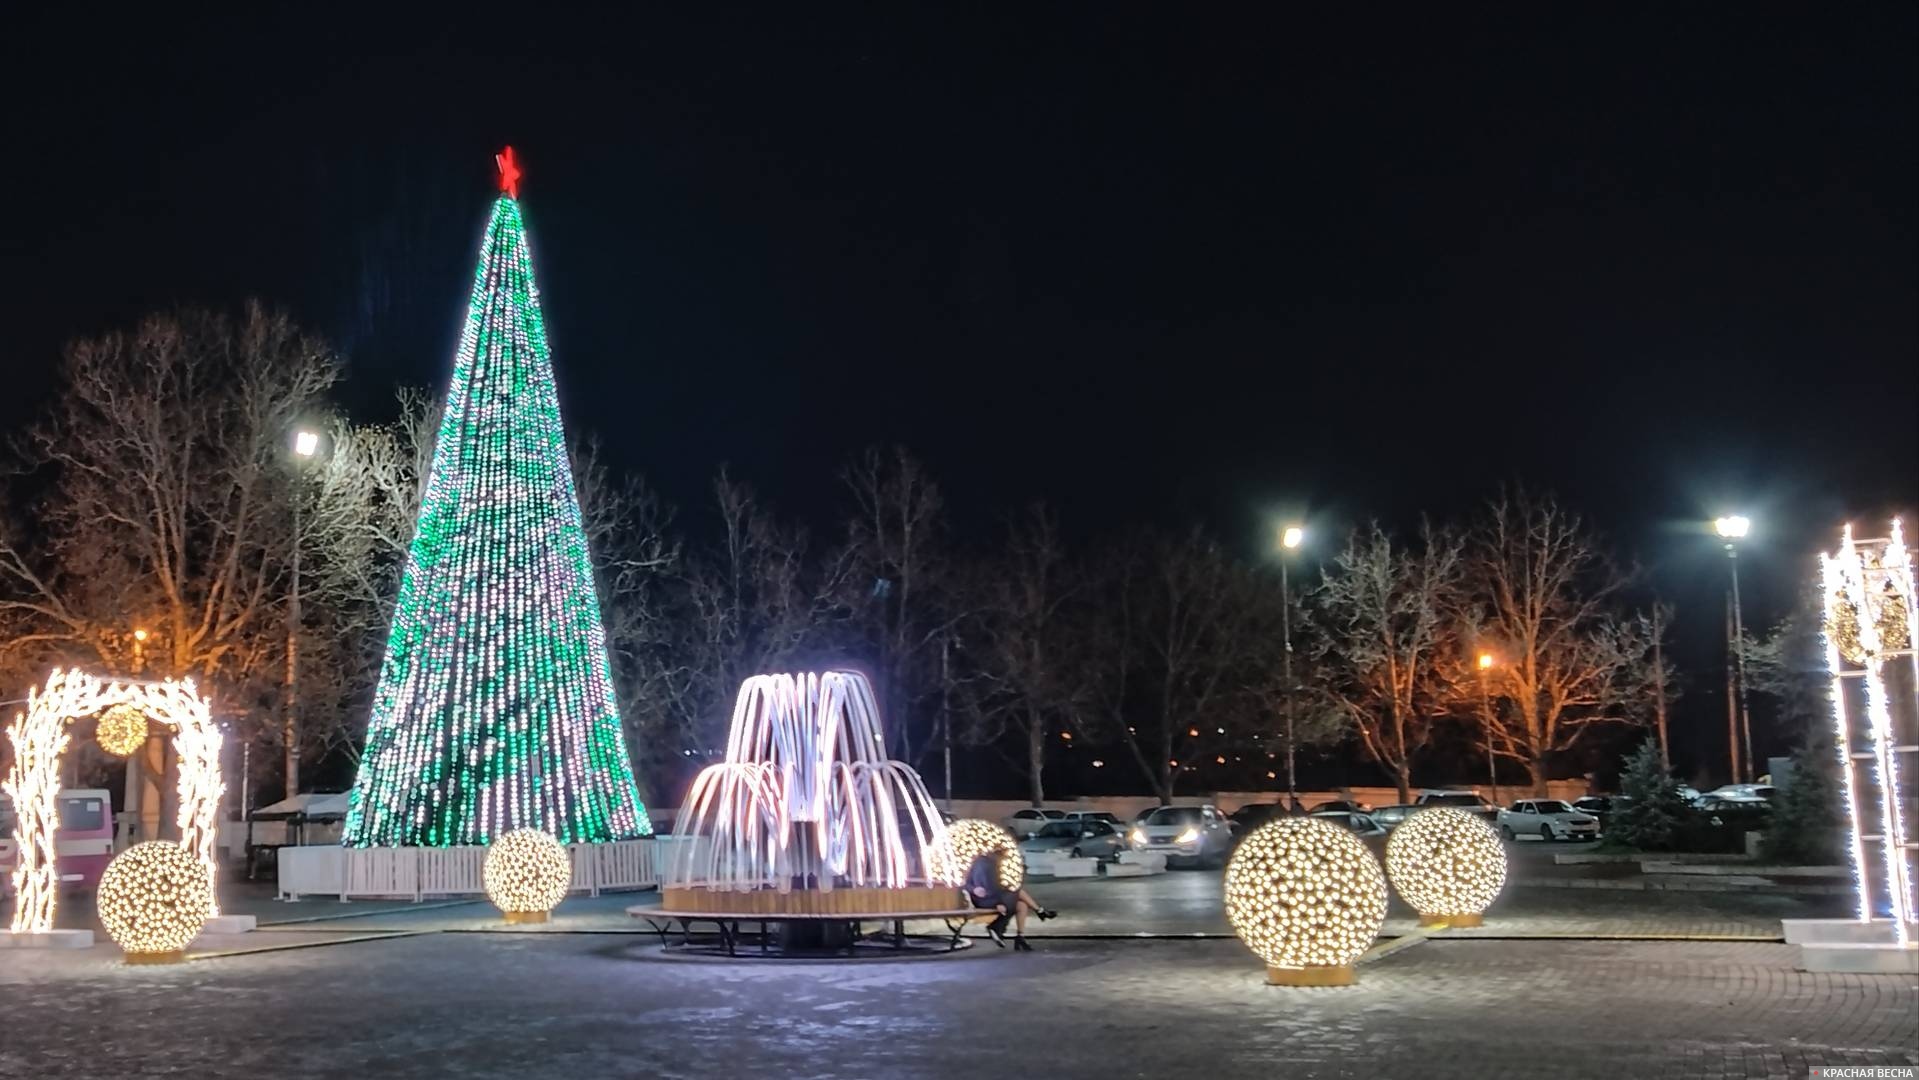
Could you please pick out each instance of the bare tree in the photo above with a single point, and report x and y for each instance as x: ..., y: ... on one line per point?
x: 359, y: 500
x: 1378, y: 623
x: 1018, y: 644
x: 689, y: 624
x: 1169, y: 629
x: 1546, y: 597
x: 165, y: 456
x: 894, y: 552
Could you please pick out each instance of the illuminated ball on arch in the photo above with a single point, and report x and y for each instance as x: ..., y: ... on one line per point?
x: 1302, y: 892
x: 1446, y: 862
x: 526, y: 872
x: 121, y: 730
x: 969, y: 838
x: 154, y: 898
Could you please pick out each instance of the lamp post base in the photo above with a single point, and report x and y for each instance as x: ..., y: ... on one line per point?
x: 1311, y: 976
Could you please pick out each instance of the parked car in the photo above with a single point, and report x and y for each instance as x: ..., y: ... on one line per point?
x: 1098, y: 815
x: 1370, y: 832
x: 1186, y: 835
x: 1031, y: 820
x: 1389, y: 817
x: 1462, y: 798
x: 1088, y: 839
x: 1340, y: 805
x: 1251, y: 816
x: 1690, y: 794
x: 1548, y: 819
x: 1738, y: 793
x: 1602, y: 807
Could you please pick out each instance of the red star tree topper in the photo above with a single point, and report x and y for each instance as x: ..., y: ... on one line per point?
x: 509, y: 172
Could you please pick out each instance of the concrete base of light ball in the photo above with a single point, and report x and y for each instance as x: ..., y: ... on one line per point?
x: 47, y: 939
x: 522, y: 918
x: 1343, y: 975
x: 156, y: 957
x: 1452, y: 922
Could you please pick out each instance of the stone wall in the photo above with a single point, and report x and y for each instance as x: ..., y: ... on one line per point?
x: 1125, y: 806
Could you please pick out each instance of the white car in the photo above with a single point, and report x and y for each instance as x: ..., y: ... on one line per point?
x: 1031, y: 820
x: 1186, y: 835
x: 1741, y: 793
x: 1548, y: 819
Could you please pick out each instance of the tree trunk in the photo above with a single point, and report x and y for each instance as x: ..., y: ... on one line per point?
x: 1536, y: 764
x: 1403, y: 777
x: 1036, y: 758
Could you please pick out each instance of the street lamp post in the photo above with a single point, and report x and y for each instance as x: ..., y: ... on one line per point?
x: 305, y: 445
x: 1290, y: 538
x: 1738, y: 720
x: 1486, y: 722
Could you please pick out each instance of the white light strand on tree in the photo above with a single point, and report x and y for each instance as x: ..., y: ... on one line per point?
x: 39, y: 736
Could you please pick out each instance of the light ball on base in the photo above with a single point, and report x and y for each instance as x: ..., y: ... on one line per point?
x: 1447, y: 864
x: 1307, y: 898
x: 121, y: 730
x: 526, y: 874
x: 968, y: 839
x: 153, y: 899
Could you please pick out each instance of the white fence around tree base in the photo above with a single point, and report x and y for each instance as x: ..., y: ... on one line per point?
x: 417, y: 873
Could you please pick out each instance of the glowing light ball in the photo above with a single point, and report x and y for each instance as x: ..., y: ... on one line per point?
x: 1306, y: 897
x: 969, y: 838
x: 1448, y: 864
x: 121, y: 730
x: 526, y: 874
x: 153, y: 899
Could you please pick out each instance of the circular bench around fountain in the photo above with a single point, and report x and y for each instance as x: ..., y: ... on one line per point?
x: 807, y: 830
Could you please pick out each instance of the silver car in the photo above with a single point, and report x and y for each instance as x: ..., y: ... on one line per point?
x: 1188, y: 835
x: 1090, y: 839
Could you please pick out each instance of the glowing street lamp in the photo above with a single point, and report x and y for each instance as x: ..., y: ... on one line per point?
x: 1290, y: 537
x: 1733, y: 529
x: 306, y: 446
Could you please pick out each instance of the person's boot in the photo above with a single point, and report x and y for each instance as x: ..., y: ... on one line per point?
x: 997, y: 931
x: 1046, y: 913
x: 1020, y: 945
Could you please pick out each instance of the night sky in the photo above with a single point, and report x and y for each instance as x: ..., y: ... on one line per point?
x: 1155, y: 266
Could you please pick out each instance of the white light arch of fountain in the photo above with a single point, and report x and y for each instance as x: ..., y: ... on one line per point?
x: 39, y: 736
x: 807, y: 802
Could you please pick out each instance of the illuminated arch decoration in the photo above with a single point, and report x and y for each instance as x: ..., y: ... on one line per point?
x: 807, y: 814
x: 39, y: 736
x: 1870, y: 612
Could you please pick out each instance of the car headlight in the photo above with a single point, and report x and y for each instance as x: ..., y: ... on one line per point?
x: 1188, y: 836
x: 1139, y: 836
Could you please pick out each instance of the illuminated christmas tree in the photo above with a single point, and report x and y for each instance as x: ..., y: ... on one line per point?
x: 495, y: 705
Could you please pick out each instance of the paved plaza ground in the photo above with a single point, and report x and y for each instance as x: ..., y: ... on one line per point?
x: 1561, y: 982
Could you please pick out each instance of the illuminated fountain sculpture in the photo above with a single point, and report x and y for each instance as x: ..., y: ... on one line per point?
x: 807, y: 816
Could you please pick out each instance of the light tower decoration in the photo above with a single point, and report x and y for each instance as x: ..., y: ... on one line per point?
x: 1869, y: 617
x: 495, y: 706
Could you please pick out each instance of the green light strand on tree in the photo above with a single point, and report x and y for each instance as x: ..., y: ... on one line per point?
x: 495, y: 706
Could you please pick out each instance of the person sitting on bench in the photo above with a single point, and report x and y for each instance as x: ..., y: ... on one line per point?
x: 984, y: 890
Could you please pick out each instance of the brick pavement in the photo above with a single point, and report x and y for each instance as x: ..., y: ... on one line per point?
x: 585, y: 1005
